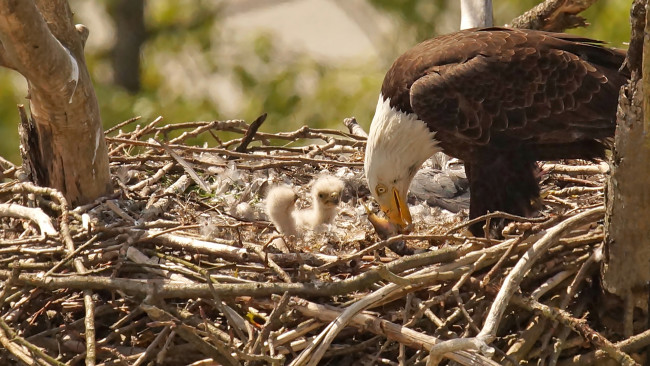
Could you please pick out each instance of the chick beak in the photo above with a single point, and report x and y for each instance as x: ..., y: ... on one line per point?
x: 334, y: 199
x: 398, y: 212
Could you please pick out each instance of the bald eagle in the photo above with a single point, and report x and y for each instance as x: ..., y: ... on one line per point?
x: 499, y: 99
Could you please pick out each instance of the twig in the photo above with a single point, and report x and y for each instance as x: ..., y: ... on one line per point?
x: 271, y: 263
x: 188, y: 168
x: 271, y: 322
x: 154, y: 178
x: 197, y: 131
x: 581, y: 327
x: 151, y: 349
x: 313, y: 354
x: 6, y: 332
x: 217, y: 351
x: 250, y: 133
x: 71, y: 255
x: 574, y: 191
x: 235, y: 320
x: 632, y: 344
x: 572, y: 290
x: 503, y: 258
x: 229, y: 153
x: 354, y: 127
x: 492, y: 215
x: 601, y: 168
x: 122, y: 124
x: 552, y: 282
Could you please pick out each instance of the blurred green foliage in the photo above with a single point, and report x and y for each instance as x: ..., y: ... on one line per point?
x: 187, y: 52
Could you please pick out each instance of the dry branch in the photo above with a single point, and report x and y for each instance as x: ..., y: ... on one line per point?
x: 388, y: 329
x: 34, y: 214
x: 554, y: 15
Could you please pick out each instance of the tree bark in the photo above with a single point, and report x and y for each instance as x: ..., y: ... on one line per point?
x: 627, y: 243
x: 63, y: 141
x: 554, y: 15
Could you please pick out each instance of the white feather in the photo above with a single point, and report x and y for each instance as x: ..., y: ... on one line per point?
x: 74, y: 74
x: 397, y: 146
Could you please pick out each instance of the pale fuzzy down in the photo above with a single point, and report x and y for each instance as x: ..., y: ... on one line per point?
x: 325, y: 195
x: 280, y: 206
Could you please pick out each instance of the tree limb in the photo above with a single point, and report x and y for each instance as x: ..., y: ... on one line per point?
x: 63, y: 142
x: 33, y: 49
x: 34, y: 214
x: 554, y: 15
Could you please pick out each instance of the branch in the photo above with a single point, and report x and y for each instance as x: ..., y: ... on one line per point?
x: 32, y: 49
x: 354, y: 127
x: 630, y: 345
x: 554, y: 15
x: 514, y: 278
x: 170, y: 289
x: 601, y: 168
x: 390, y: 330
x: 34, y: 214
x: 250, y: 133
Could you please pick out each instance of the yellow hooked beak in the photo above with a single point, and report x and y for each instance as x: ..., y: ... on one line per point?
x: 398, y: 212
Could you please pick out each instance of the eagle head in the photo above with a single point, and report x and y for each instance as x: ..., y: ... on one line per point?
x: 397, y: 146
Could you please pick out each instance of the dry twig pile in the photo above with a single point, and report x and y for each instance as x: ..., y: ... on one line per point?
x: 176, y: 266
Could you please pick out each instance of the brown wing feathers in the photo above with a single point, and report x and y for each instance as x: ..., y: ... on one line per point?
x: 509, y: 84
x: 500, y: 99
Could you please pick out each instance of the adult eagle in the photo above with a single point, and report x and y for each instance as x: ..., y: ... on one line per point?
x: 499, y: 99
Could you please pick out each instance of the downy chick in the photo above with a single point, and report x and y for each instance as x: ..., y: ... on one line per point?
x: 326, y: 195
x: 280, y: 206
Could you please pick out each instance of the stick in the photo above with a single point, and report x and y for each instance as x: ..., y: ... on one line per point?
x: 511, y: 284
x: 250, y: 133
x: 34, y: 214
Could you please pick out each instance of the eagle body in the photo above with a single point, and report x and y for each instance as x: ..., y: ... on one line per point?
x: 499, y: 99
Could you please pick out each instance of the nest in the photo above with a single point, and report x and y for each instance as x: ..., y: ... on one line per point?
x: 178, y: 266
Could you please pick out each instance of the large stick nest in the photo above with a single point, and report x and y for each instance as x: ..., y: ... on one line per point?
x: 178, y: 266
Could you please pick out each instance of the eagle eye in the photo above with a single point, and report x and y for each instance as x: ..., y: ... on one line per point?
x: 380, y: 189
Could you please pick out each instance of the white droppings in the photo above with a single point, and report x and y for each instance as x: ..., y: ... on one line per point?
x: 98, y: 135
x: 74, y: 74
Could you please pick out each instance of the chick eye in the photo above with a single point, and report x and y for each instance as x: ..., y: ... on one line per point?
x: 321, y: 195
x: 381, y: 189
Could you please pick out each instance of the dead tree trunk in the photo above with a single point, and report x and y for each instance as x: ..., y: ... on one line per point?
x: 63, y: 141
x: 627, y: 267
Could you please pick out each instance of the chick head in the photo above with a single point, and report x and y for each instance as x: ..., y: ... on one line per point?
x: 327, y: 190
